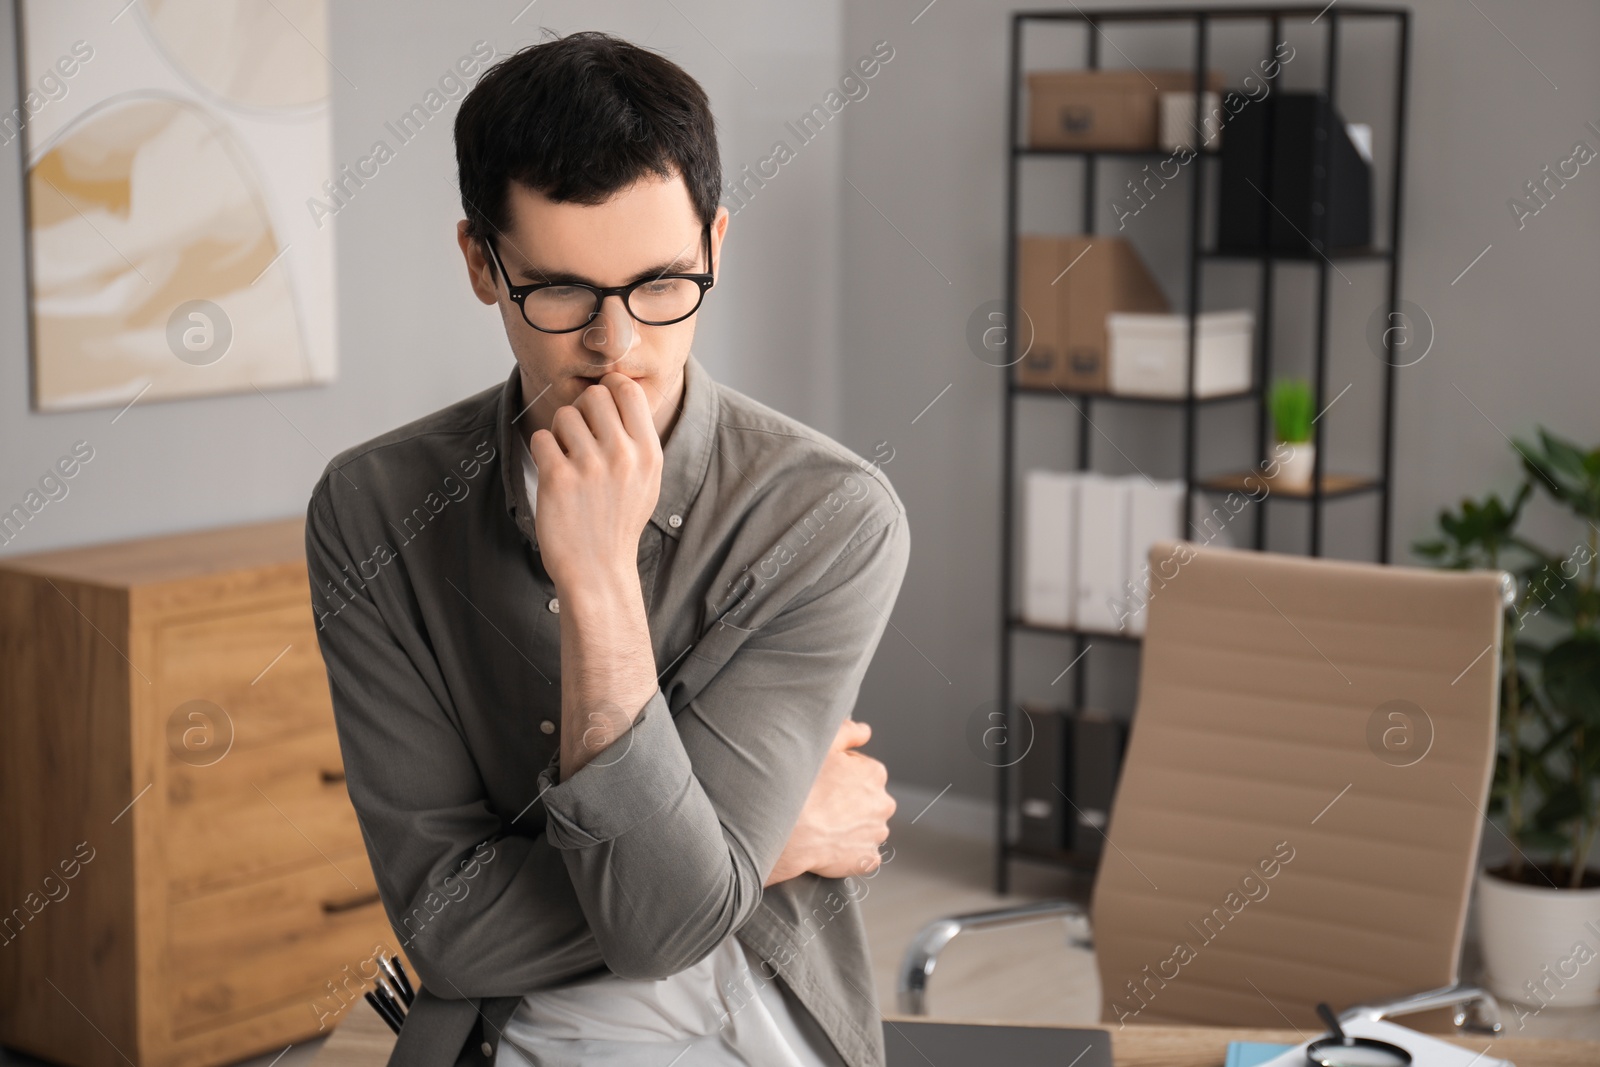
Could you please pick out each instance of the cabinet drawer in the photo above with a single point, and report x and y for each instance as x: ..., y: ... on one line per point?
x: 256, y: 812
x: 263, y: 947
x: 260, y: 668
x: 254, y: 782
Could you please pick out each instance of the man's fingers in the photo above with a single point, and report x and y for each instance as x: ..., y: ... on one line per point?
x: 572, y: 432
x: 545, y: 449
x: 598, y: 406
x: 632, y: 405
x: 852, y: 734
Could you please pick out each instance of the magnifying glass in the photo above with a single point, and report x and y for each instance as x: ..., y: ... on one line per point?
x: 1342, y: 1050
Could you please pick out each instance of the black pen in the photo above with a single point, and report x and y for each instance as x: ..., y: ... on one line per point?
x: 397, y: 978
x: 390, y: 1001
x: 405, y: 980
x: 383, y: 1011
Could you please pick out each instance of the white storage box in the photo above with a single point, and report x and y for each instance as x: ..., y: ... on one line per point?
x: 1149, y: 353
x: 1178, y: 124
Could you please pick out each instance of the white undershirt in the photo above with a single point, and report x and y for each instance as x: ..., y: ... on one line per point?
x: 724, y: 1008
x: 722, y: 1012
x: 530, y: 475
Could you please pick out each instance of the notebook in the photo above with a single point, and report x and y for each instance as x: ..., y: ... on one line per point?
x: 1252, y: 1053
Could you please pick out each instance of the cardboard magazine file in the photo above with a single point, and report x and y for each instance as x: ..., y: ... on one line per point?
x: 1064, y: 315
x: 1115, y: 110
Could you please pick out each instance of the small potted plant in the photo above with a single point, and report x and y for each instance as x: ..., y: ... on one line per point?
x: 1291, y: 404
x: 1539, y: 911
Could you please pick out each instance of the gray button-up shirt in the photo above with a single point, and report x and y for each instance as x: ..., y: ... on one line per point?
x: 769, y: 568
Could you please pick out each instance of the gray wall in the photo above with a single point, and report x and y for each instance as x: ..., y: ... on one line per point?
x: 412, y: 338
x: 901, y: 201
x: 1513, y: 336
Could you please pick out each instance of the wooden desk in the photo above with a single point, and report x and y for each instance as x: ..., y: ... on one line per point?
x: 1205, y: 1046
x: 362, y: 1040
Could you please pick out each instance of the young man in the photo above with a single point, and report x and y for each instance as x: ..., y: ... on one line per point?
x: 594, y: 635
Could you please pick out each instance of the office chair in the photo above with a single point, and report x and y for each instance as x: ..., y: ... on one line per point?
x: 1301, y: 800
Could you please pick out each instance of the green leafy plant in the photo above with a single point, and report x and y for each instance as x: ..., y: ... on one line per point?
x: 1292, y: 408
x: 1546, y: 791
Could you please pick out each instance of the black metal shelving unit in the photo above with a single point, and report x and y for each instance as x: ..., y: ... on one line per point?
x: 1323, y: 488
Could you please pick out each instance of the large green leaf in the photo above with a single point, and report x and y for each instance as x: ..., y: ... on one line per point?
x: 1564, y: 803
x: 1547, y: 841
x: 1563, y: 469
x: 1545, y: 588
x: 1572, y: 681
x: 1475, y: 535
x: 1528, y: 654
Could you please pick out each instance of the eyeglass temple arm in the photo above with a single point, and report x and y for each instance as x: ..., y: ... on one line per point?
x: 494, y: 254
x: 1472, y: 1008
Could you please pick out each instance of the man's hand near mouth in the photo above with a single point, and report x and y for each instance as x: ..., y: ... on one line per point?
x: 599, y: 476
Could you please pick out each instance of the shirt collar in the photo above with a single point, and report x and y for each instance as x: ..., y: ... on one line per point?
x: 685, y: 457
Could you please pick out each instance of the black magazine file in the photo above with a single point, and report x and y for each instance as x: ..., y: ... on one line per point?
x: 1296, y: 218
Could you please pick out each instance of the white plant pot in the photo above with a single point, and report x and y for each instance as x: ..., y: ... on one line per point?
x: 1541, y: 946
x: 1295, y: 468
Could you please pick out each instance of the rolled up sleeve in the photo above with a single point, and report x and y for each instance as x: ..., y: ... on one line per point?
x: 621, y: 792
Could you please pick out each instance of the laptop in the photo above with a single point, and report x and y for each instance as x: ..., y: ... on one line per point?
x: 922, y: 1044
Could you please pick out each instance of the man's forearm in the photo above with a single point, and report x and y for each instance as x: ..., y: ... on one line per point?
x: 659, y: 879
x: 607, y: 665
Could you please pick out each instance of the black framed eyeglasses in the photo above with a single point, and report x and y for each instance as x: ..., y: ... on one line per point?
x: 562, y: 307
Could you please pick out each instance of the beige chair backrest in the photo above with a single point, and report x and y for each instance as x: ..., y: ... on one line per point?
x: 1300, y: 808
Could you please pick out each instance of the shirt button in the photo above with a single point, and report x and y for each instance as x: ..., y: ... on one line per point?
x: 547, y: 727
x: 554, y: 605
x: 674, y: 521
x: 486, y: 1048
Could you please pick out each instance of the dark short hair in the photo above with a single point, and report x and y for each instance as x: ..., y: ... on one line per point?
x: 578, y: 119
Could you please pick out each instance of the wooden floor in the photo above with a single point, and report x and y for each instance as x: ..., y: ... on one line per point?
x: 1028, y: 973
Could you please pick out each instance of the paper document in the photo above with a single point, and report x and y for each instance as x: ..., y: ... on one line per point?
x: 1426, y: 1051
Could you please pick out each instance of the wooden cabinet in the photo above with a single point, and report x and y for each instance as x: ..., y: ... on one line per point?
x: 182, y: 877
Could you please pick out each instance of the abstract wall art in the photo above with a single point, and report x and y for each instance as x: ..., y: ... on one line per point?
x: 170, y: 147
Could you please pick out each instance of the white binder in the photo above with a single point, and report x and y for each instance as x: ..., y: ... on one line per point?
x: 1155, y: 513
x: 1048, y: 555
x: 1102, y: 551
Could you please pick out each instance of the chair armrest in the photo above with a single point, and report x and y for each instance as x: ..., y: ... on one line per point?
x: 1473, y: 1008
x: 923, y: 952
